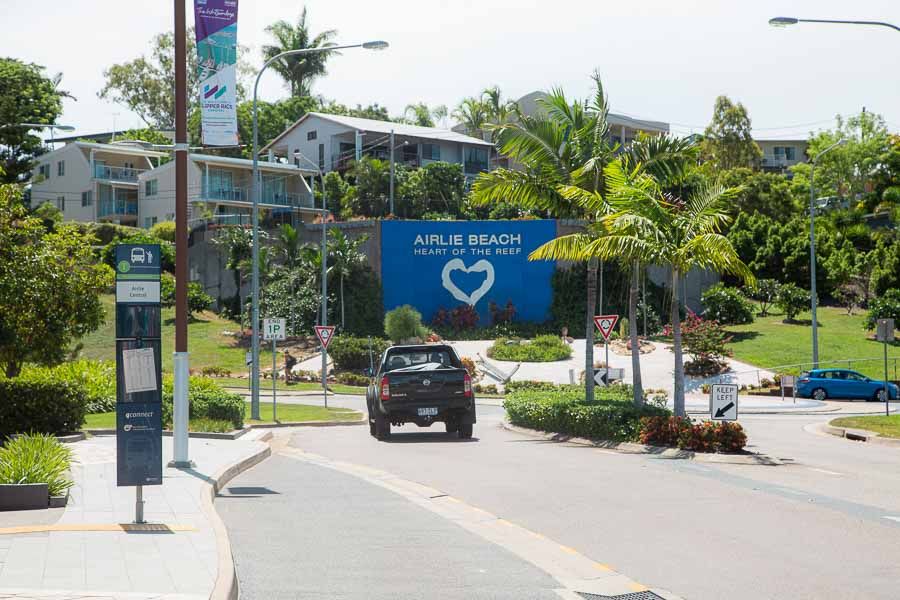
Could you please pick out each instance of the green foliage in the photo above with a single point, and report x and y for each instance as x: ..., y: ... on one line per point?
x: 164, y: 231
x: 765, y: 292
x: 792, y: 300
x: 167, y: 250
x: 36, y: 403
x: 294, y: 295
x: 352, y: 353
x: 727, y: 305
x: 36, y: 458
x: 210, y: 425
x: 96, y: 377
x: 207, y: 400
x: 50, y: 287
x: 336, y: 189
x: 728, y: 140
x: 532, y: 386
x: 885, y: 307
x: 198, y: 300
x: 612, y: 416
x: 298, y: 72
x: 363, y: 306
x: 350, y: 378
x: 706, y: 341
x: 49, y: 214
x: 402, y: 323
x: 438, y: 187
x: 544, y: 348
x: 681, y: 432
x: 26, y: 96
x: 766, y: 193
x: 371, y: 193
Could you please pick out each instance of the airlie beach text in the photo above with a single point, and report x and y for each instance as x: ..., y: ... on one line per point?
x: 473, y: 244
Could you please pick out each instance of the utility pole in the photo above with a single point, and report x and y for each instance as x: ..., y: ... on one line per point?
x: 180, y: 412
x: 392, y: 171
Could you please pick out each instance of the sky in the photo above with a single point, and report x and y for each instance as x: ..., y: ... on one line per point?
x: 664, y: 60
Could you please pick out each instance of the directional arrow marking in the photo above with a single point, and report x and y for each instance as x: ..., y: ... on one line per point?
x: 721, y: 412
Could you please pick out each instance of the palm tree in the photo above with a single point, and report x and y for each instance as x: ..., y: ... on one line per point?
x: 440, y: 114
x: 298, y: 71
x: 344, y: 255
x: 289, y: 245
x: 472, y: 114
x: 565, y: 145
x: 499, y: 111
x: 236, y: 243
x: 651, y: 224
x: 421, y: 114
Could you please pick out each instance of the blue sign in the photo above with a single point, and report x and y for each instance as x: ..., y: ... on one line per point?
x: 139, y: 443
x: 138, y: 261
x: 434, y: 265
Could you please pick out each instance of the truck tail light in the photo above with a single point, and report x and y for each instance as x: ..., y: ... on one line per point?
x: 467, y: 386
x: 385, y: 389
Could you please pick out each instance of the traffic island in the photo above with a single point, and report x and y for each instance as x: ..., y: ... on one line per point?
x: 882, y: 430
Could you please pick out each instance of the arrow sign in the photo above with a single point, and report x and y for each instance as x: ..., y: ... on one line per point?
x: 723, y: 402
x: 605, y: 324
x: 325, y: 333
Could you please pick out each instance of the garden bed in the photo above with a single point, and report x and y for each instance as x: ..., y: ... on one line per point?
x: 543, y: 348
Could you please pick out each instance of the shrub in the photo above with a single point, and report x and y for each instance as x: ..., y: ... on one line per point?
x: 215, y: 371
x: 210, y: 425
x: 544, y: 348
x: 350, y: 378
x: 501, y: 315
x: 885, y: 307
x: 488, y: 388
x: 462, y: 318
x: 707, y: 436
x: 765, y: 292
x: 164, y: 230
x: 207, y: 400
x: 36, y: 458
x: 469, y: 365
x: 403, y: 323
x: 41, y: 404
x: 792, y: 300
x: 352, y: 353
x: 611, y: 417
x: 705, y: 341
x: 96, y: 377
x: 727, y: 305
x: 521, y: 386
x: 198, y: 299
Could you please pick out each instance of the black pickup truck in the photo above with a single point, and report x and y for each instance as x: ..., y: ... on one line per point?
x: 421, y: 384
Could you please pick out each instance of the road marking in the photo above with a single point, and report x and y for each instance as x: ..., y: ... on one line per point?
x: 637, y: 587
x: 897, y: 519
x: 826, y: 471
x: 795, y: 492
x: 568, y: 549
x: 602, y: 567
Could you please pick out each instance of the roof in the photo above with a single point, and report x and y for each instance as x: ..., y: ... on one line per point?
x: 529, y: 105
x: 130, y: 149
x: 106, y: 136
x: 785, y: 140
x: 248, y: 164
x: 376, y: 126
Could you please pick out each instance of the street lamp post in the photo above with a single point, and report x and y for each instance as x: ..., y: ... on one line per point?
x: 788, y: 21
x: 812, y: 249
x: 254, y: 192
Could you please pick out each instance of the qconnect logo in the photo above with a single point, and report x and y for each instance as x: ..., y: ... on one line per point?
x: 139, y: 415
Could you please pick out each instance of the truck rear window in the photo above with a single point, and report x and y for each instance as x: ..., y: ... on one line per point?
x: 421, y: 360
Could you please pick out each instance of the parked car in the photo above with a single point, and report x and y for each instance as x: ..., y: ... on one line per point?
x: 422, y: 384
x: 842, y: 383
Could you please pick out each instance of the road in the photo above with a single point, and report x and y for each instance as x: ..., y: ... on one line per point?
x: 825, y: 525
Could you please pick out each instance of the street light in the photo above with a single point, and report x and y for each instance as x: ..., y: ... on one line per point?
x: 812, y: 248
x: 52, y: 127
x: 254, y: 191
x: 788, y: 21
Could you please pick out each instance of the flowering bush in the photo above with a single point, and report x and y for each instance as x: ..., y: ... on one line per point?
x: 502, y: 315
x: 681, y: 432
x: 461, y: 318
x: 468, y: 364
x: 705, y: 341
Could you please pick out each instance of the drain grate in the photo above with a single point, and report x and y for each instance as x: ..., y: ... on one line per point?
x: 645, y: 595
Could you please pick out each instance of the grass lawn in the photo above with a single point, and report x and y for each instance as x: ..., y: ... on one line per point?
x: 886, y: 426
x: 769, y: 342
x: 297, y: 413
x: 302, y: 386
x: 207, y: 344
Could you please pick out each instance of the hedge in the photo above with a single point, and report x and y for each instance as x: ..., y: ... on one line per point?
x: 207, y: 400
x: 352, y: 353
x: 97, y: 377
x: 34, y: 404
x: 544, y: 348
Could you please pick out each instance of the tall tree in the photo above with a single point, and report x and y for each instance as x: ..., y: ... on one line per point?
x: 344, y: 255
x: 728, y: 142
x: 499, y: 111
x: 471, y: 113
x: 298, y: 72
x: 419, y: 114
x: 26, y: 96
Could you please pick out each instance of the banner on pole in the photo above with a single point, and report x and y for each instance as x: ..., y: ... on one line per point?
x: 216, y: 29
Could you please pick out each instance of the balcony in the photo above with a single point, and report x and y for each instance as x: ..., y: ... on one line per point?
x: 117, y: 208
x: 225, y: 194
x: 107, y: 173
x: 474, y: 167
x: 241, y: 196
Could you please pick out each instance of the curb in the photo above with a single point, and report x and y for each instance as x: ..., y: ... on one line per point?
x: 860, y: 435
x: 308, y: 424
x: 233, y: 435
x: 659, y: 451
x: 226, y: 585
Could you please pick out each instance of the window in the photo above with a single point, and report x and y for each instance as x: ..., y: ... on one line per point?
x: 61, y: 202
x: 475, y: 160
x: 151, y: 187
x: 321, y: 156
x: 61, y: 168
x: 170, y: 216
x: 311, y: 135
x: 431, y: 152
x: 44, y: 171
x: 87, y: 198
x: 790, y: 153
x: 149, y: 222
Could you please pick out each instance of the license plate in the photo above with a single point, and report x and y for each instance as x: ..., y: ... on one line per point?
x: 427, y: 412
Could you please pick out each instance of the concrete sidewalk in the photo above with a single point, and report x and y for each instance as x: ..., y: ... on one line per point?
x: 86, y: 554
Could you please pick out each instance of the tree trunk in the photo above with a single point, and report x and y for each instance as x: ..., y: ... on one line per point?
x: 633, y: 334
x: 343, y: 324
x: 13, y: 369
x: 589, y: 330
x: 678, y: 398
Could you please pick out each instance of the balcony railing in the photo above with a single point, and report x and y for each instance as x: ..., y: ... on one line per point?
x: 267, y: 196
x: 475, y: 167
x: 225, y: 194
x: 118, y: 208
x: 116, y: 173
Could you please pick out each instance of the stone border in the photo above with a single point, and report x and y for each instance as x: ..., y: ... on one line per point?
x: 226, y: 585
x: 635, y: 448
x: 860, y: 435
x: 237, y: 433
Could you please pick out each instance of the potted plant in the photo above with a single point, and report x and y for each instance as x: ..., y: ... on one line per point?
x: 34, y: 473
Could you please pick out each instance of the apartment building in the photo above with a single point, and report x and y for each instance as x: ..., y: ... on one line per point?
x: 778, y: 155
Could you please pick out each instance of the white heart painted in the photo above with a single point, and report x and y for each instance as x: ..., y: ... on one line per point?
x: 458, y: 265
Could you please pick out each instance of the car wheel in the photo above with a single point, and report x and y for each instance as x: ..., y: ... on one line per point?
x: 371, y: 427
x: 819, y: 394
x: 879, y: 395
x: 382, y: 427
x: 465, y: 431
x: 452, y: 426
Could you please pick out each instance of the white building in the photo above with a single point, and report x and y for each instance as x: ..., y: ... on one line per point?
x: 219, y: 190
x: 778, y: 155
x: 93, y: 182
x: 330, y: 142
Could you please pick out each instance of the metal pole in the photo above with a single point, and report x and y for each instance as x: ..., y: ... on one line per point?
x: 644, y: 294
x: 180, y: 360
x: 324, y: 291
x: 392, y: 171
x: 275, y: 379
x: 254, y: 310
x: 887, y: 393
x: 139, y: 505
x: 812, y: 264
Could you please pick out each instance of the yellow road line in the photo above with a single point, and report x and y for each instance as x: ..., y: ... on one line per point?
x: 127, y: 527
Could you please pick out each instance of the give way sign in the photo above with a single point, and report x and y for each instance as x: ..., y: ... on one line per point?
x: 605, y: 324
x: 325, y: 333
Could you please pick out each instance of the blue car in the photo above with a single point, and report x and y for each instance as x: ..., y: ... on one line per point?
x: 842, y: 383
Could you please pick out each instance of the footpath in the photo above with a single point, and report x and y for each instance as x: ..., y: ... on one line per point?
x: 92, y: 549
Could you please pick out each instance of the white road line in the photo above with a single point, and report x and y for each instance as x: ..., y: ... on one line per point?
x: 826, y: 471
x: 892, y: 518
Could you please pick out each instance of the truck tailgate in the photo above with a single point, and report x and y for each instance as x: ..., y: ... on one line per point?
x: 424, y: 387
